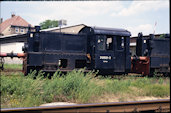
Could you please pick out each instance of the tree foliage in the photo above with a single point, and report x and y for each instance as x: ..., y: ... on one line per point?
x: 49, y: 24
x: 162, y: 36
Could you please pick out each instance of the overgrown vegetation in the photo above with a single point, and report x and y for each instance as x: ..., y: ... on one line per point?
x: 12, y: 66
x: 77, y: 87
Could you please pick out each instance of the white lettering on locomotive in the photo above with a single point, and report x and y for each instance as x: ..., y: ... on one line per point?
x: 106, y: 57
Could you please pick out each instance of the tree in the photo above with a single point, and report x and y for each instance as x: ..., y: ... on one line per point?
x: 49, y: 24
x: 162, y: 36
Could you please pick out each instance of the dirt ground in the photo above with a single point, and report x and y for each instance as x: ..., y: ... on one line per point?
x: 108, y: 99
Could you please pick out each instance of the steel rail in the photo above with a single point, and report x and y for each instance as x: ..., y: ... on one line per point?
x: 134, y: 106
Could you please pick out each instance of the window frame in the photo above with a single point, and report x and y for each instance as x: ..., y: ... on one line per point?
x: 106, y: 46
x: 22, y: 30
x: 103, y: 48
x: 17, y: 29
x: 120, y: 43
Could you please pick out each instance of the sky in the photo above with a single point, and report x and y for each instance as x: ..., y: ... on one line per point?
x: 146, y: 16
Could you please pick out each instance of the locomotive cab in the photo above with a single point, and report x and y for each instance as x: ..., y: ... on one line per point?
x: 109, y: 49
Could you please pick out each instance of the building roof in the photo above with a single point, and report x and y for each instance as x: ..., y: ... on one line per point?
x: 13, y: 38
x: 58, y: 28
x: 13, y: 21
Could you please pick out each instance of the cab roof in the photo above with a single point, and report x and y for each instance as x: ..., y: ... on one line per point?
x: 105, y: 31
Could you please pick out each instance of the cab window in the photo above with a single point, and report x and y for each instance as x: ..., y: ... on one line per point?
x: 101, y: 43
x: 120, y: 42
x: 104, y: 43
x: 109, y: 43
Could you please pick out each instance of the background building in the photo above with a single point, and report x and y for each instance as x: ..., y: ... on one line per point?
x: 13, y: 26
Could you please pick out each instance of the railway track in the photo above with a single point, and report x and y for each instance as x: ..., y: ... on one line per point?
x: 11, y: 70
x: 136, y: 106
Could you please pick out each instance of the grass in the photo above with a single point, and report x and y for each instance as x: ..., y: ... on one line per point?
x: 11, y: 69
x: 76, y: 87
x: 12, y: 66
x: 27, y: 91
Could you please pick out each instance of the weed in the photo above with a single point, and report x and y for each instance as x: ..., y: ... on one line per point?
x: 75, y: 86
x: 157, y: 90
x: 12, y: 66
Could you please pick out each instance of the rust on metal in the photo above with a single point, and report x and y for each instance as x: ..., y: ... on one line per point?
x: 21, y: 54
x: 140, y: 65
x: 3, y: 54
x: 136, y: 106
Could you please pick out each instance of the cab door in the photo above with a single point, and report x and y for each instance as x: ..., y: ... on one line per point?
x: 119, y: 62
x: 104, y: 52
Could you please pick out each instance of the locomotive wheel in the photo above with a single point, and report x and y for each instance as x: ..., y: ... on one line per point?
x: 151, y: 73
x: 28, y: 70
x: 166, y: 74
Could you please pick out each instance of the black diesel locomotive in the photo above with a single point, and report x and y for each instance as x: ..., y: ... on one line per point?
x: 93, y: 48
